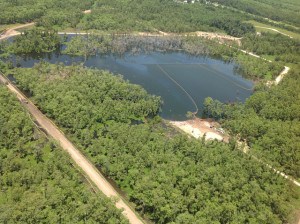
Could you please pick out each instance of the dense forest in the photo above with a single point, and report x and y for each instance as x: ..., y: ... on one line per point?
x: 269, y: 121
x: 170, y: 178
x: 276, y: 46
x: 286, y: 11
x: 48, y: 13
x: 165, y: 15
x: 149, y: 15
x: 35, y: 40
x: 38, y: 183
x: 145, y: 15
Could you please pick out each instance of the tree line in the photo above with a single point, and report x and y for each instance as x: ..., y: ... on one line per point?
x: 48, y: 13
x: 278, y: 11
x: 145, y: 15
x: 167, y: 16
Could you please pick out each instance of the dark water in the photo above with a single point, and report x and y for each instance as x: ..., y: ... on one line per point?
x: 162, y: 73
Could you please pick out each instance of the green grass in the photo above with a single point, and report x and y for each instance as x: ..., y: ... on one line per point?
x: 258, y: 26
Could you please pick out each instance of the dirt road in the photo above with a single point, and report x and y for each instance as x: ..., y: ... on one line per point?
x: 12, y: 31
x: 275, y: 30
x: 82, y: 162
x: 281, y: 75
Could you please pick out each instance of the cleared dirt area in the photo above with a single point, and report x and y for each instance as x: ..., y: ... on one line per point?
x: 220, y: 37
x: 202, y: 127
x: 208, y: 35
x: 13, y: 31
x: 81, y: 161
x: 87, y: 11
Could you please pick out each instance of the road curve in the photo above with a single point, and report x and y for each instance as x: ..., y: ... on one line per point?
x: 281, y: 75
x: 90, y: 170
x: 12, y: 31
x: 275, y: 30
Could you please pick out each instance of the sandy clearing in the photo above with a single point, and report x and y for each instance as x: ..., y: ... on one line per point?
x: 13, y: 31
x: 87, y: 11
x: 220, y: 37
x: 87, y: 167
x: 200, y: 127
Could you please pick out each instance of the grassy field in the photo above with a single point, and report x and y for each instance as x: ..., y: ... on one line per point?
x: 261, y: 27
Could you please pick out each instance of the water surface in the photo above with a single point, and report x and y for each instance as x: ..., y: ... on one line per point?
x: 180, y: 79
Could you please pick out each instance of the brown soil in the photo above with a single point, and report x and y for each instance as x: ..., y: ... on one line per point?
x: 202, y: 127
x: 87, y: 11
x: 13, y: 31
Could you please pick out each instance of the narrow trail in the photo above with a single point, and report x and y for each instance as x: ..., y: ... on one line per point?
x: 275, y: 30
x: 281, y: 75
x: 245, y: 149
x: 181, y: 87
x: 79, y: 159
